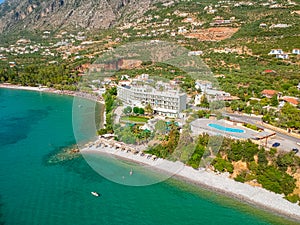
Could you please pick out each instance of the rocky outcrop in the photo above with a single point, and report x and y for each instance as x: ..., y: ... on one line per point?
x: 57, y: 14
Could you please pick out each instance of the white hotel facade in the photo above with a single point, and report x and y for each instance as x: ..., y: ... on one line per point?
x: 168, y: 103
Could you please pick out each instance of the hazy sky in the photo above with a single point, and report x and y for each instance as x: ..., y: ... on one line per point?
x: 1, y: 1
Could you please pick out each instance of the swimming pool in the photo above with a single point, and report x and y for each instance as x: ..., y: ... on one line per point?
x: 226, y: 129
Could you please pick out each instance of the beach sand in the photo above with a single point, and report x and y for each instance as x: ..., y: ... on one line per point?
x: 54, y: 91
x: 221, y: 183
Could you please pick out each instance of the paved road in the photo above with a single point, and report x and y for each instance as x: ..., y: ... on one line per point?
x: 287, y: 142
x: 255, y: 120
x: 118, y: 112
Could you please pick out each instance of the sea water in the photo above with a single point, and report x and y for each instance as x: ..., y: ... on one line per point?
x: 35, y: 127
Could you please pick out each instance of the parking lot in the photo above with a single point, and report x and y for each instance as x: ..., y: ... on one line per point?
x: 285, y: 145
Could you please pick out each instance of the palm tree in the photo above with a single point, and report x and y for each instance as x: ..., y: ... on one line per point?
x: 148, y: 109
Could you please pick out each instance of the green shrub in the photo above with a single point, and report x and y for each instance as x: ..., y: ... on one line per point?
x: 293, y: 198
x: 276, y: 180
x: 222, y: 165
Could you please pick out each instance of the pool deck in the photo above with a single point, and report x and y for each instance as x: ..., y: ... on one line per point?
x: 200, y: 126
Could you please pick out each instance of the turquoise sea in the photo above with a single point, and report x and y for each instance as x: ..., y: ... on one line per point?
x: 34, y: 127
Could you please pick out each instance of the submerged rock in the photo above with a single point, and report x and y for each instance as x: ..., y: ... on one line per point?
x: 64, y: 154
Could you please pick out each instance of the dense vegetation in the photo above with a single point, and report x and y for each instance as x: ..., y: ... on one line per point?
x: 57, y: 76
x: 270, y: 169
x: 169, y: 142
x: 287, y: 117
x: 132, y: 134
x: 110, y: 103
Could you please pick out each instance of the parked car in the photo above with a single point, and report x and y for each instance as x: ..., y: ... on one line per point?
x: 296, y: 150
x: 276, y: 144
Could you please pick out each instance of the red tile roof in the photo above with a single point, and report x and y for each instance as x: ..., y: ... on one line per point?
x: 269, y: 92
x: 291, y: 100
x: 270, y: 71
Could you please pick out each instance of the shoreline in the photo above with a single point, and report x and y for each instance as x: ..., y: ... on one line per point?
x: 54, y: 91
x: 254, y: 196
x: 219, y: 183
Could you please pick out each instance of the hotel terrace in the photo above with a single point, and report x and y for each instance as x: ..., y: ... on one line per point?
x: 167, y: 103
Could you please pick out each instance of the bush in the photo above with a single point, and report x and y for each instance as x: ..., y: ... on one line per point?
x: 127, y: 110
x: 273, y: 151
x: 293, y: 198
x: 102, y: 131
x: 242, y: 150
x: 223, y: 165
x: 196, y: 157
x: 276, y: 180
x: 284, y: 160
x: 241, y: 177
x: 251, y: 126
x: 262, y: 159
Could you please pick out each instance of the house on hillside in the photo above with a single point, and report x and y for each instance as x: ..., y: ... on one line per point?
x: 203, y: 85
x: 263, y: 25
x: 124, y: 82
x: 298, y: 86
x: 182, y: 30
x: 282, y: 56
x: 292, y: 100
x: 296, y: 51
x: 269, y: 72
x: 275, y: 52
x: 280, y: 25
x: 195, y: 53
x: 269, y: 93
x: 12, y: 64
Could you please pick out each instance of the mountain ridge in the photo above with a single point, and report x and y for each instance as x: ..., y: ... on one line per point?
x: 60, y: 14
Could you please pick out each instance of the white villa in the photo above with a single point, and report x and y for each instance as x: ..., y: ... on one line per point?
x: 296, y: 51
x: 168, y: 103
x: 282, y: 56
x: 195, y: 53
x: 276, y: 52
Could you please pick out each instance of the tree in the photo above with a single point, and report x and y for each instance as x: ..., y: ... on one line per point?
x: 173, y: 139
x: 109, y: 101
x: 204, y: 101
x: 262, y: 159
x: 136, y: 110
x: 141, y: 111
x: 127, y: 110
x: 274, y: 101
x: 290, y: 116
x: 277, y: 181
x: 161, y: 126
x: 222, y: 165
x: 217, y: 105
x: 148, y: 109
x: 285, y: 160
x: 248, y: 109
x: 237, y: 105
x: 202, y: 113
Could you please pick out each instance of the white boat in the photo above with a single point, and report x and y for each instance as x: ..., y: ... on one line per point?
x: 95, y: 193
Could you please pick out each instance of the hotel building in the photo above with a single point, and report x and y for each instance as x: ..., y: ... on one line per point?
x: 168, y: 103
